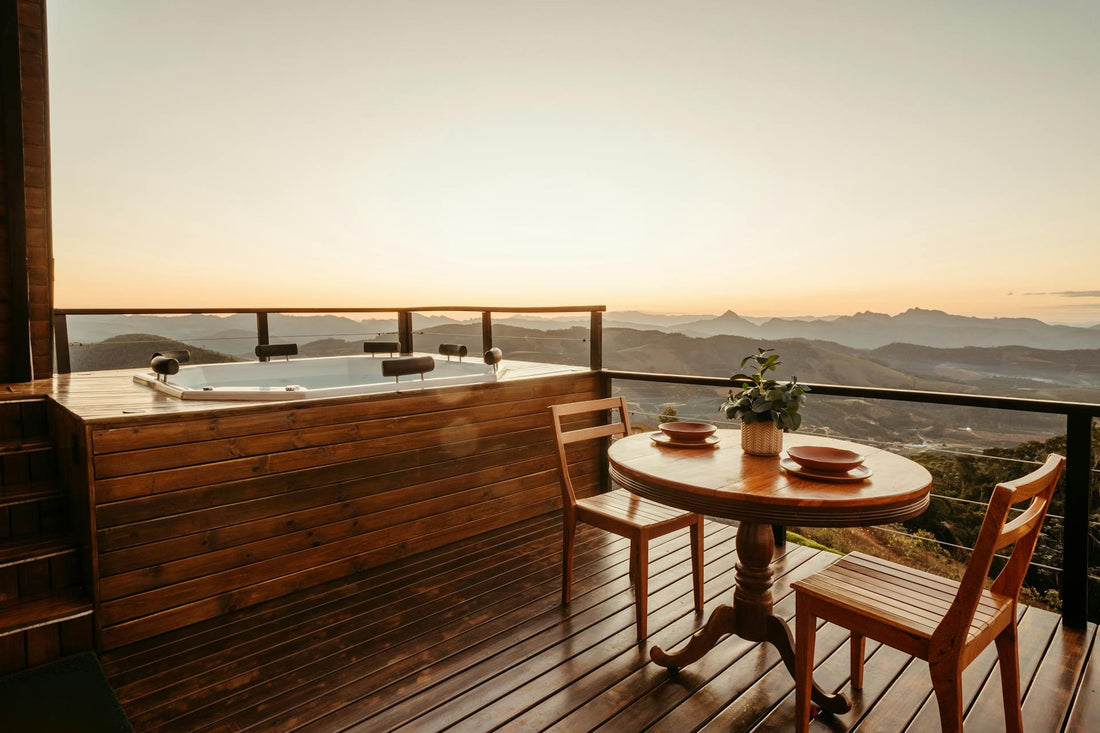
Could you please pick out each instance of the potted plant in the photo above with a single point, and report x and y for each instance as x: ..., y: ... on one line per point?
x: 765, y: 407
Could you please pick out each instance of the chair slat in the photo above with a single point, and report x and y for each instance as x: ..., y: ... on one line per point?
x: 599, y: 431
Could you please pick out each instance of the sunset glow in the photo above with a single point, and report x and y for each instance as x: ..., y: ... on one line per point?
x: 771, y: 158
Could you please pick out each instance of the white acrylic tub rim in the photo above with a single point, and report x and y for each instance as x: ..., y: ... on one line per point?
x: 311, y: 378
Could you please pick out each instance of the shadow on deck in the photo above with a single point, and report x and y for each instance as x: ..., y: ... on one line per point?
x: 472, y: 637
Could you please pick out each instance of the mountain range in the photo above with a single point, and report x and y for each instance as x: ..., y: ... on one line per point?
x: 235, y: 334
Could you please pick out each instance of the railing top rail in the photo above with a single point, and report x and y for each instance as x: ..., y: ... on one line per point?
x: 1019, y: 404
x: 416, y: 309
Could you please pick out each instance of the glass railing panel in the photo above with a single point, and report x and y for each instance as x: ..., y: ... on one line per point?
x: 98, y: 342
x: 329, y: 334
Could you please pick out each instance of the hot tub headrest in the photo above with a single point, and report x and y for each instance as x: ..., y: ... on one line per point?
x: 493, y: 356
x: 407, y: 365
x: 164, y: 365
x: 381, y: 347
x: 449, y: 350
x: 265, y: 351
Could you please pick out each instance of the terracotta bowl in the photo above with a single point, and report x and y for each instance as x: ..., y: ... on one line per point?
x: 688, y: 432
x: 822, y: 458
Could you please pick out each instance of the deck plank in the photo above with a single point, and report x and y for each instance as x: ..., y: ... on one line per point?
x: 1046, y: 701
x: 478, y: 659
x: 340, y: 642
x: 1086, y: 706
x: 1034, y: 634
x: 472, y: 637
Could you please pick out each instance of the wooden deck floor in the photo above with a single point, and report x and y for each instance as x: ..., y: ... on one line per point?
x: 471, y: 637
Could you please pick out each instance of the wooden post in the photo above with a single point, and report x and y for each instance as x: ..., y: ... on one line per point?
x: 596, y: 347
x: 405, y: 331
x: 263, y: 333
x: 61, y: 343
x: 486, y: 330
x: 15, y: 352
x: 1075, y: 526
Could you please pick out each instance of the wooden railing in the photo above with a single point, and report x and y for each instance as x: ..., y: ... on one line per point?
x: 405, y: 334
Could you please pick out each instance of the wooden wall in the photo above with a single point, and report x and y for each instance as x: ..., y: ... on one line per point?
x: 198, y: 516
x: 26, y: 264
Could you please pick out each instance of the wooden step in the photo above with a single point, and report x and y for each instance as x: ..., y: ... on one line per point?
x: 24, y: 445
x: 25, y: 493
x: 31, y: 613
x: 14, y: 552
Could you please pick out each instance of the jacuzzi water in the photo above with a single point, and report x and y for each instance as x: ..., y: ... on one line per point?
x: 332, y: 376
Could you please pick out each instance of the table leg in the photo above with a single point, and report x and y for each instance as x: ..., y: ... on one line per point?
x: 750, y: 616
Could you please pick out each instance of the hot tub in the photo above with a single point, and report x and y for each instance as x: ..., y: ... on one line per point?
x: 295, y: 379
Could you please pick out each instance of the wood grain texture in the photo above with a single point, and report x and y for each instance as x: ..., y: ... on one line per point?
x: 25, y: 229
x: 723, y: 481
x: 472, y: 637
x: 198, y: 515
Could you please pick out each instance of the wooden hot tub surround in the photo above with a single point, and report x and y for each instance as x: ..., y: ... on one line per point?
x: 200, y: 509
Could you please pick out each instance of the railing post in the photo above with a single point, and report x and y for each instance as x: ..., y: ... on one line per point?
x: 595, y: 351
x: 486, y: 330
x: 61, y: 343
x: 263, y: 335
x: 405, y: 331
x: 1075, y: 526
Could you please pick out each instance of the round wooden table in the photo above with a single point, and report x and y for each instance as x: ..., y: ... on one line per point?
x: 722, y: 481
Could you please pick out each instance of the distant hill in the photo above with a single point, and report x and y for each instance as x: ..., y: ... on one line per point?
x: 869, y: 330
x: 134, y: 350
x: 235, y: 334
x: 908, y: 367
x: 1020, y: 370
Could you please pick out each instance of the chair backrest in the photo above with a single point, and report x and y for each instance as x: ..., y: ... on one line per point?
x: 584, y: 430
x: 997, y: 532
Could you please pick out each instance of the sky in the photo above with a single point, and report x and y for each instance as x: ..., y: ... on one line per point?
x: 782, y: 159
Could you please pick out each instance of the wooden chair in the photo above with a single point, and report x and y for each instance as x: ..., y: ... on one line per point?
x: 618, y: 511
x: 945, y: 622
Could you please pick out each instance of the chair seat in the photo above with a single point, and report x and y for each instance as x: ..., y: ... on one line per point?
x: 899, y: 596
x: 628, y: 508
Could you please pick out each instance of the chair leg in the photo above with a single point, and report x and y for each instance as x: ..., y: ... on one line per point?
x: 1008, y: 655
x: 947, y: 684
x: 805, y: 632
x: 857, y: 649
x: 639, y: 561
x: 569, y: 532
x: 697, y: 562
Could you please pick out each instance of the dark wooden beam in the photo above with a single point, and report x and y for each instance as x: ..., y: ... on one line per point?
x: 263, y: 332
x: 18, y: 366
x: 486, y: 330
x: 1075, y: 526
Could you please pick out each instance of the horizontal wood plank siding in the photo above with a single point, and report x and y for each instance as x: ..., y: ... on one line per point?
x: 199, y: 515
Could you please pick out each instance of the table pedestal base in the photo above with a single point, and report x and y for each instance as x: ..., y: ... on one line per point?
x: 750, y: 616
